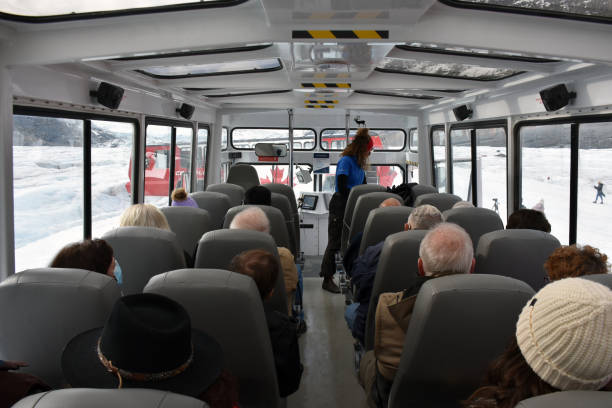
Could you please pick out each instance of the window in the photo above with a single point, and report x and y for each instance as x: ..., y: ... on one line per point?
x: 400, y: 94
x: 387, y: 175
x: 384, y: 139
x: 461, y: 154
x: 438, y: 146
x: 446, y: 70
x: 201, y: 158
x: 491, y: 156
x: 471, y: 52
x: 224, y: 132
x: 545, y: 173
x: 247, y: 138
x: 413, y: 140
x: 202, y: 70
x: 157, y: 164
x: 279, y: 173
x: 182, y: 170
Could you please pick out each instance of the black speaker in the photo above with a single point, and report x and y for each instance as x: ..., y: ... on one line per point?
x: 108, y: 95
x: 462, y: 112
x: 556, y: 97
x: 186, y: 111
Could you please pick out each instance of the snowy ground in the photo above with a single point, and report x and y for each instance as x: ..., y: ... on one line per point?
x: 48, y: 194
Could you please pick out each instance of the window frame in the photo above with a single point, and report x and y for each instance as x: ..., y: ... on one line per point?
x: 231, y: 137
x: 519, y: 58
x: 459, y: 78
x: 410, y: 133
x: 227, y: 140
x: 87, y: 117
x: 212, y: 74
x: 355, y: 129
x: 206, y: 126
x: 574, y: 122
x: 433, y: 129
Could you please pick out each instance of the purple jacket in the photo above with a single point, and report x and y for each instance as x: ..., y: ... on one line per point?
x: 189, y: 202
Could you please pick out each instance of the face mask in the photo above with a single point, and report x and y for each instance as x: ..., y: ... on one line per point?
x: 118, y: 273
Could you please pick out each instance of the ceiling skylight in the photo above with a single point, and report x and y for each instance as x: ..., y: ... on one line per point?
x: 399, y: 94
x: 472, y: 52
x: 584, y: 8
x: 225, y: 68
x: 446, y: 70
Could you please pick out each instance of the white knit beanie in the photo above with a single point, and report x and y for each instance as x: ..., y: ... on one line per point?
x: 565, y: 334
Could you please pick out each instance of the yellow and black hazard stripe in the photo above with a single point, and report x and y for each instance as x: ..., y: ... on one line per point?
x: 341, y: 34
x: 342, y: 15
x: 325, y: 85
x: 319, y: 106
x: 325, y: 102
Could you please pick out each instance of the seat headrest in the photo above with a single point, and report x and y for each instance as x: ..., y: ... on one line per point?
x: 243, y: 175
x: 442, y: 201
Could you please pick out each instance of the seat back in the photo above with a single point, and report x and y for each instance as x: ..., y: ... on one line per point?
x: 216, y: 204
x: 104, y: 398
x: 41, y: 310
x: 459, y: 324
x: 569, y: 399
x: 366, y: 203
x: 278, y: 225
x: 517, y: 253
x: 216, y: 250
x: 397, y: 270
x: 354, y: 194
x: 421, y: 189
x: 442, y: 201
x: 288, y: 192
x: 603, y: 278
x: 144, y: 252
x: 243, y: 175
x: 282, y: 203
x: 227, y: 306
x: 189, y: 224
x: 475, y: 221
x: 381, y: 223
x: 233, y: 191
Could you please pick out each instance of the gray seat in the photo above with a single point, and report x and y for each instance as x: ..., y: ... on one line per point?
x: 459, y: 324
x: 517, y: 253
x: 233, y: 191
x: 227, y: 306
x: 354, y: 194
x: 442, y: 201
x: 42, y: 309
x: 381, y: 223
x: 569, y: 399
x: 288, y: 192
x: 144, y: 252
x: 282, y: 203
x: 603, y: 278
x: 217, y: 248
x: 243, y: 175
x: 397, y: 270
x: 104, y: 398
x: 278, y: 224
x: 366, y: 203
x: 421, y: 189
x: 475, y: 221
x: 189, y: 224
x: 216, y: 204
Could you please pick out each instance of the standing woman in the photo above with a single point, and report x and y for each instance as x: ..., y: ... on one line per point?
x: 350, y: 172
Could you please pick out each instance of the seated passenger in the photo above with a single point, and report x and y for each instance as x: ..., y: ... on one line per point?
x: 562, y: 343
x: 445, y: 250
x: 263, y: 268
x: 15, y: 386
x: 528, y: 219
x: 574, y: 261
x: 258, y: 195
x: 90, y: 254
x: 180, y: 198
x: 148, y: 342
x: 364, y: 270
x: 463, y: 204
x: 253, y: 218
x: 352, y: 252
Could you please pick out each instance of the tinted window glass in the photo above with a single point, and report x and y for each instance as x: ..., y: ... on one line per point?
x: 438, y: 142
x: 461, y: 153
x: 384, y: 139
x: 247, y: 138
x: 157, y: 164
x: 492, y: 157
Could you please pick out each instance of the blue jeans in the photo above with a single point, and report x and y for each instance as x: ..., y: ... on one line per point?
x: 350, y: 313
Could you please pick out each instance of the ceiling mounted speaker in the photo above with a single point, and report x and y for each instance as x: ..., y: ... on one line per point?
x: 108, y: 95
x: 556, y: 97
x: 462, y: 112
x: 186, y: 111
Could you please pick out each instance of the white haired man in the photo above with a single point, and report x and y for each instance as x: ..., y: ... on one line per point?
x: 423, y: 217
x: 445, y: 250
x: 253, y: 218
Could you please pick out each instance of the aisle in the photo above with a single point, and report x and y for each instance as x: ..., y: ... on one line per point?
x: 327, y: 354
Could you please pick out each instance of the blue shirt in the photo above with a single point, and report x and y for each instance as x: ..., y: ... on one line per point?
x: 348, y: 166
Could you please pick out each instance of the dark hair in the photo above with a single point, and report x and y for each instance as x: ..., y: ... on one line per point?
x: 260, y: 265
x: 359, y: 147
x: 92, y: 255
x: 509, y: 380
x: 258, y: 195
x: 528, y: 219
x: 572, y: 261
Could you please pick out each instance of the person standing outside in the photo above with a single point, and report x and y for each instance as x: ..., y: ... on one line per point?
x: 350, y: 171
x: 600, y: 193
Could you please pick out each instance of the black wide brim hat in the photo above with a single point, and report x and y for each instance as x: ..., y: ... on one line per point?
x: 83, y: 369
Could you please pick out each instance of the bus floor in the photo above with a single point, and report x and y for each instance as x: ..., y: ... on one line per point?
x: 327, y: 353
